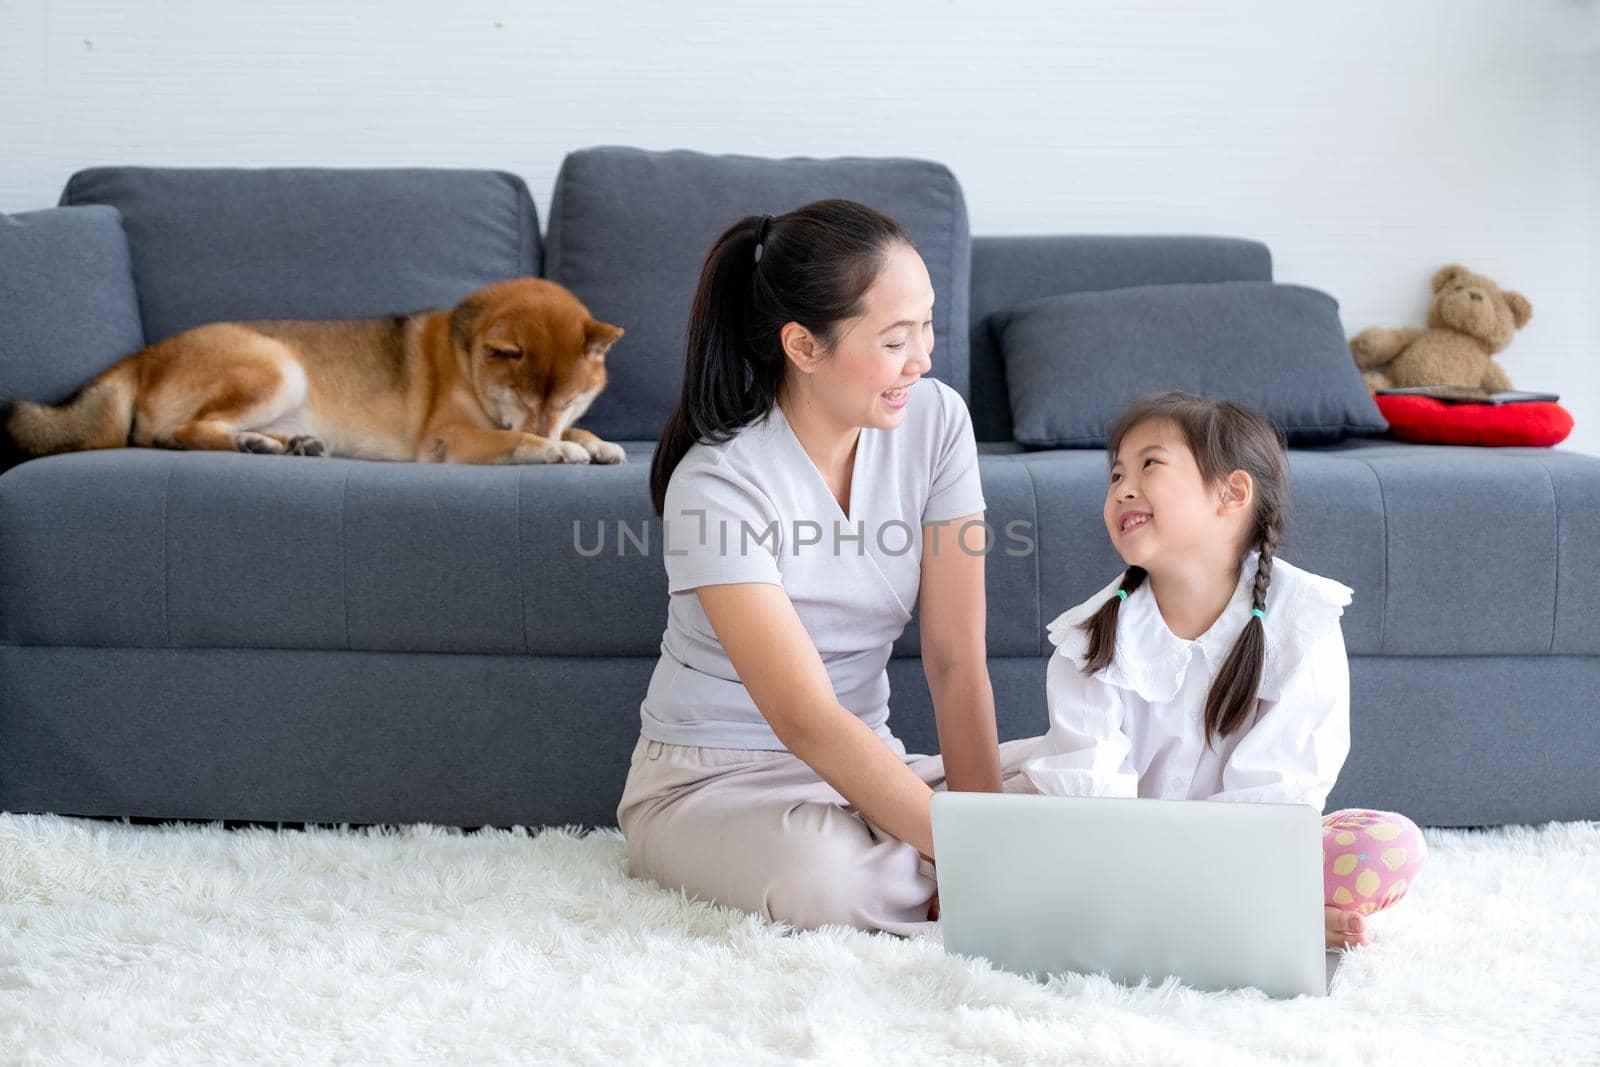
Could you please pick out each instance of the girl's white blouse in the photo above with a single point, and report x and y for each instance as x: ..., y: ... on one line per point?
x: 1136, y: 727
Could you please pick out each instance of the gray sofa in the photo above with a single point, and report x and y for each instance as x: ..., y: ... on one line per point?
x: 247, y: 637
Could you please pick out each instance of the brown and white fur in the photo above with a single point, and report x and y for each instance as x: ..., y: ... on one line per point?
x: 500, y: 378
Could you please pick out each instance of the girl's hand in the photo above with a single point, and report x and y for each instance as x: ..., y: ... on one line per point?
x: 1344, y: 929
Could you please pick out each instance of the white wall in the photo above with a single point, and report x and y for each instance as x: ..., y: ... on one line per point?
x: 1368, y: 143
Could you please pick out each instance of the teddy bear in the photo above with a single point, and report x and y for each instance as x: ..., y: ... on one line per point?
x: 1471, y: 318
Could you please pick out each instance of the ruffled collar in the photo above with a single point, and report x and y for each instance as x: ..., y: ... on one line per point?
x: 1153, y: 661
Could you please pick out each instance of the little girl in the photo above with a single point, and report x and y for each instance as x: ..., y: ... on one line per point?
x: 1210, y: 670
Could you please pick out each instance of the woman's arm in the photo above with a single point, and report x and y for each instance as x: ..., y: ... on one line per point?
x: 951, y: 610
x: 779, y: 665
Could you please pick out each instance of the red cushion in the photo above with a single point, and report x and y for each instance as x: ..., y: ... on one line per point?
x: 1430, y: 421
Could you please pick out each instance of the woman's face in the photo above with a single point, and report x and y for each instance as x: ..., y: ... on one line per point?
x: 867, y: 379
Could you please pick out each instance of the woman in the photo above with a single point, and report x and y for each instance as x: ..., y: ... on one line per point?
x: 814, y: 486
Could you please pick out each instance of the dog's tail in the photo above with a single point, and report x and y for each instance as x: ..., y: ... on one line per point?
x: 99, y: 416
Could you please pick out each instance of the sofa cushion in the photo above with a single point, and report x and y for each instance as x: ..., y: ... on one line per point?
x: 1451, y: 551
x: 630, y: 229
x: 1007, y: 271
x: 147, y: 548
x: 229, y: 244
x: 1485, y: 552
x: 68, y: 309
x: 1074, y: 361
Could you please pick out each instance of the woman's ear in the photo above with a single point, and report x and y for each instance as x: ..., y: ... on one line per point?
x: 1238, y: 493
x: 800, y: 347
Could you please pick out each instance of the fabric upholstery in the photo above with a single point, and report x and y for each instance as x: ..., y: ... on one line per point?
x: 280, y: 243
x: 470, y: 740
x: 1013, y: 270
x: 145, y: 548
x: 68, y: 309
x: 1074, y: 361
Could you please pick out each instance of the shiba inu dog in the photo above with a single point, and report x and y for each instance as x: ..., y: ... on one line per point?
x: 500, y: 378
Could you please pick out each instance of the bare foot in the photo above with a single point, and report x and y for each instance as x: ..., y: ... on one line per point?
x: 1345, y: 929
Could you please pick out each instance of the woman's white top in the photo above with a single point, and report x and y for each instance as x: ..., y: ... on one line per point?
x: 1136, y: 727
x: 756, y: 509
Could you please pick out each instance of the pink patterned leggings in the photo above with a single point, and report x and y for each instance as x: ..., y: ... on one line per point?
x: 1369, y: 858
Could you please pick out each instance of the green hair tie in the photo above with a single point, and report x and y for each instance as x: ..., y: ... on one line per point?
x: 1122, y: 594
x: 1258, y: 613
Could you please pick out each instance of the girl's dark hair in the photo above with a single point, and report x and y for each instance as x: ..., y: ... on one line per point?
x: 816, y: 263
x: 1224, y: 437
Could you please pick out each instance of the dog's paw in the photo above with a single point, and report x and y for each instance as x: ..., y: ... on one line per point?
x: 541, y: 450
x: 306, y: 445
x: 606, y: 452
x: 536, y: 450
x: 250, y: 441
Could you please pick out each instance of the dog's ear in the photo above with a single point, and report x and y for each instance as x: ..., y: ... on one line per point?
x: 598, y: 337
x: 464, y: 321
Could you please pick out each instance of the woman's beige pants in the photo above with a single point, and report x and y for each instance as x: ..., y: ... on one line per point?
x: 759, y: 831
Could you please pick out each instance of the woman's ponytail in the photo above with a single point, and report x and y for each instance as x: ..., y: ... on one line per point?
x: 726, y: 385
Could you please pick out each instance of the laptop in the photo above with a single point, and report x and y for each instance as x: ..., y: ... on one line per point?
x: 1221, y: 895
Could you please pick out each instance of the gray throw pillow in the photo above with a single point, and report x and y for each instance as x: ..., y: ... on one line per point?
x: 223, y: 244
x: 1074, y: 361
x: 68, y: 309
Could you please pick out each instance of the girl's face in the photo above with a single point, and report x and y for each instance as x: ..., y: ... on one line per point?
x: 867, y: 378
x: 1158, y: 507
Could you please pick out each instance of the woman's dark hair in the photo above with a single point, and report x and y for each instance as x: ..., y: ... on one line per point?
x: 816, y: 263
x: 1224, y: 437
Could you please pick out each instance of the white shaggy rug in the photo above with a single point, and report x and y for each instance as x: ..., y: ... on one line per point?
x: 182, y: 944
